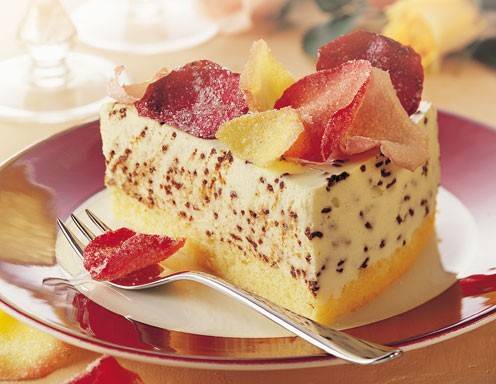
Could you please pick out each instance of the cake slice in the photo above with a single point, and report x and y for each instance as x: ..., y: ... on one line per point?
x: 315, y: 194
x: 320, y: 242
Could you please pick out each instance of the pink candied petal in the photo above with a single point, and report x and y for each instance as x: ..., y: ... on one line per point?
x: 340, y: 123
x: 317, y: 98
x: 129, y: 93
x: 118, y: 253
x: 349, y: 110
x: 196, y: 98
x: 377, y: 119
x: 401, y: 62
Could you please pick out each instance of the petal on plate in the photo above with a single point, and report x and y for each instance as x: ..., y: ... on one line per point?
x: 106, y: 370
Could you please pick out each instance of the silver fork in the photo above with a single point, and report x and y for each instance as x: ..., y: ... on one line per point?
x: 332, y: 341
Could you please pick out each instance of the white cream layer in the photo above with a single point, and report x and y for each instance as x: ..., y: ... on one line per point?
x: 322, y: 226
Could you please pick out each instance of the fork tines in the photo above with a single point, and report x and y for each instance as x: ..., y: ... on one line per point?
x: 83, y: 228
x: 75, y: 243
x: 97, y: 221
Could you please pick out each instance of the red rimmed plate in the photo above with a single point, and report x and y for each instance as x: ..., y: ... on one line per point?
x: 56, y: 176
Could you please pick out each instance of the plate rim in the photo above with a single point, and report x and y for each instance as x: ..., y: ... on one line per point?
x: 187, y: 361
x: 190, y: 361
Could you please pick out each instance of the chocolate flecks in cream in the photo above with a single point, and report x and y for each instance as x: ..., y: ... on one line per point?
x: 425, y: 169
x: 313, y: 234
x: 365, y: 263
x: 334, y: 179
x: 385, y: 173
x: 270, y: 220
x: 391, y: 183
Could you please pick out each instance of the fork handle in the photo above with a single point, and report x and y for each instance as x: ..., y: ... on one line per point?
x: 332, y: 341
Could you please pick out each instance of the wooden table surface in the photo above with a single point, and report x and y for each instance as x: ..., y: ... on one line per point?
x: 464, y: 87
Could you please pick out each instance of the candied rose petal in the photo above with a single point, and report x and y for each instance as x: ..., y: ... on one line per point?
x: 118, y: 253
x: 401, y: 62
x: 196, y: 98
x: 263, y: 79
x: 262, y: 137
x: 476, y: 285
x: 141, y: 276
x: 27, y: 353
x: 129, y: 93
x: 106, y: 370
x: 352, y: 109
x: 317, y: 97
x: 374, y: 119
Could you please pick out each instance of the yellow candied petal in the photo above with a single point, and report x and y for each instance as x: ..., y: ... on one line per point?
x: 263, y: 79
x: 263, y: 137
x: 7, y: 324
x: 26, y: 353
